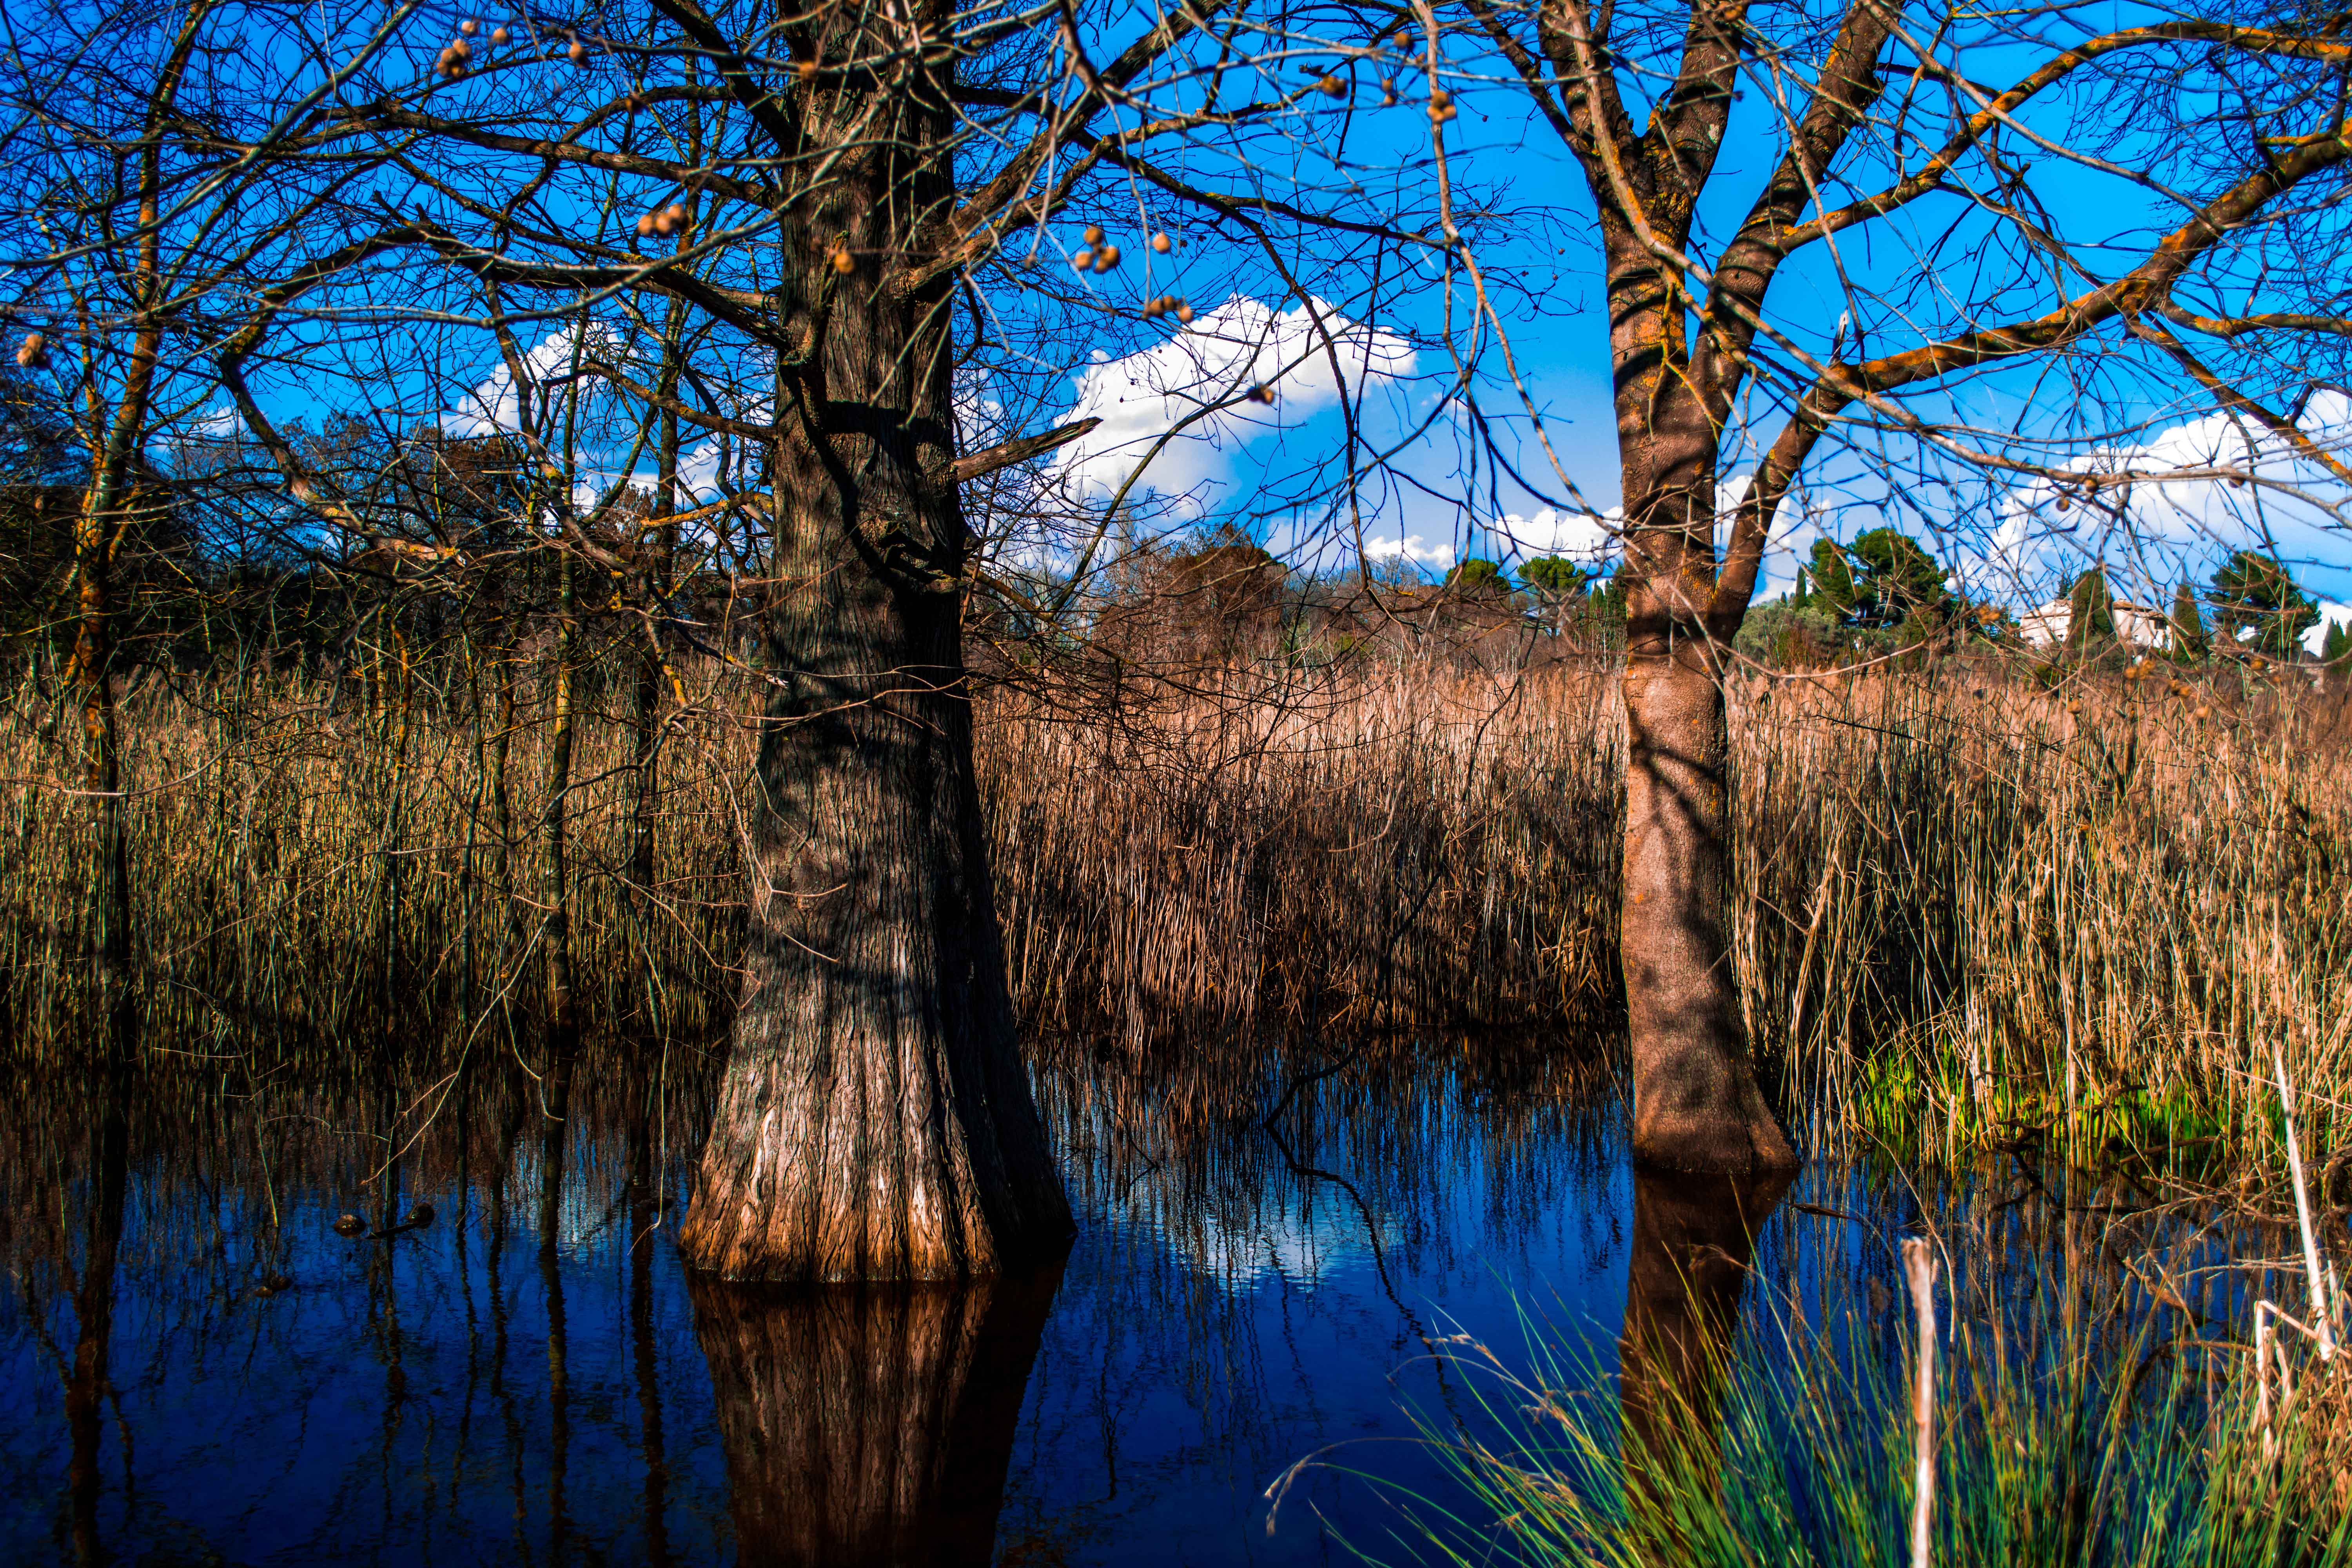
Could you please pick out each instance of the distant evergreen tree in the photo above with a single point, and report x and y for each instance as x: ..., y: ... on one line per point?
x: 2188, y: 623
x: 2337, y: 648
x: 1885, y: 578
x: 1476, y: 578
x: 1554, y: 577
x: 2091, y: 611
x: 2254, y: 594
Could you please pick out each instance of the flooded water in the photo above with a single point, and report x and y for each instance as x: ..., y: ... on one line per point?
x: 195, y: 1366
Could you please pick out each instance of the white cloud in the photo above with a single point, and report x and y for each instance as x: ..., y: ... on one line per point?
x: 1585, y: 537
x: 220, y: 425
x: 1413, y: 549
x: 2330, y: 615
x: 2158, y: 530
x: 1241, y: 343
x: 493, y: 406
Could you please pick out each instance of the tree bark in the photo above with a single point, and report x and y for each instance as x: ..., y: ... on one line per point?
x: 1695, y: 1103
x: 562, y: 1020
x: 870, y: 1425
x: 875, y: 1122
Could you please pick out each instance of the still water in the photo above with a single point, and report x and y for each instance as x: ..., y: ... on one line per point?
x: 195, y: 1367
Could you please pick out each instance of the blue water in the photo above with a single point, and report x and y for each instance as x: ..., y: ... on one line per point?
x: 482, y: 1391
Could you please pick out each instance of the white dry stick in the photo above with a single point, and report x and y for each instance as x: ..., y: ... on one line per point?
x: 2262, y: 1377
x: 2320, y: 1315
x: 1919, y: 1268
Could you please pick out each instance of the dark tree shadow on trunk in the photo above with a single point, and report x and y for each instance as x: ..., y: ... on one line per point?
x: 870, y: 1425
x: 1692, y: 1238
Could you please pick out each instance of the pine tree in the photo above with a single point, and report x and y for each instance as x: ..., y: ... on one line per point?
x: 2255, y: 600
x: 2091, y: 617
x: 2188, y: 623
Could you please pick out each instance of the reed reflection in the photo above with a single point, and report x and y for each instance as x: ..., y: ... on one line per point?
x: 1693, y: 1239
x: 873, y: 1424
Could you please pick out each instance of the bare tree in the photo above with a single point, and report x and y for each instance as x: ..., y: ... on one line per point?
x: 2073, y: 219
x: 800, y: 259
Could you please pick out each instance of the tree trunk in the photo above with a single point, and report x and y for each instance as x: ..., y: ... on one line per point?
x: 93, y: 663
x: 1695, y: 1103
x: 563, y: 1022
x: 876, y: 1122
x: 871, y: 1424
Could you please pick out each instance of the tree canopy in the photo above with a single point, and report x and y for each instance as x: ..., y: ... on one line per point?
x: 1883, y: 579
x: 2257, y: 604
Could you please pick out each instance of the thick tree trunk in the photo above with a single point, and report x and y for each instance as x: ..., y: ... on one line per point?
x: 1695, y: 1103
x: 873, y: 1424
x: 875, y: 1122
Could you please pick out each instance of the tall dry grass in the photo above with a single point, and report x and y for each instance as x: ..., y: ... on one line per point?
x: 1969, y: 910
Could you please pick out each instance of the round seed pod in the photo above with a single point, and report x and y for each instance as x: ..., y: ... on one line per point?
x: 644, y: 226
x: 1152, y: 308
x: 1160, y: 242
x: 842, y: 261
x: 500, y: 37
x: 1402, y: 39
x: 1389, y: 93
x: 1105, y: 259
x: 2066, y: 502
x: 2203, y: 712
x: 1183, y: 312
x: 663, y: 223
x: 1082, y: 260
x: 1440, y: 98
x: 1331, y: 87
x: 805, y: 70
x: 549, y: 471
x: 577, y: 54
x: 1261, y: 394
x: 469, y: 27
x: 461, y: 49
x: 1094, y: 234
x: 33, y: 352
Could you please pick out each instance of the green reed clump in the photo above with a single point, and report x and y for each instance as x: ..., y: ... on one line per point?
x: 2122, y: 1455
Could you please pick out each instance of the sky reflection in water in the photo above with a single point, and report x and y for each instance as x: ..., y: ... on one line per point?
x: 464, y: 1394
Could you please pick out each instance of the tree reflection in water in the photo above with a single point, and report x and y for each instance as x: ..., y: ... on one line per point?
x: 1693, y: 1239
x: 870, y: 1424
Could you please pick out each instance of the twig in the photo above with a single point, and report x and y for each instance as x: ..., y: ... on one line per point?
x: 2319, y: 1312
x: 1919, y: 1267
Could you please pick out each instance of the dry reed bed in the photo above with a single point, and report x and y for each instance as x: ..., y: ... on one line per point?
x: 1965, y: 909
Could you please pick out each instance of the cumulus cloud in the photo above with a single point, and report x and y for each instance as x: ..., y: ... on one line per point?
x: 1412, y: 549
x: 1226, y: 350
x: 1586, y: 538
x: 2163, y: 513
x: 221, y: 424
x: 493, y: 406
